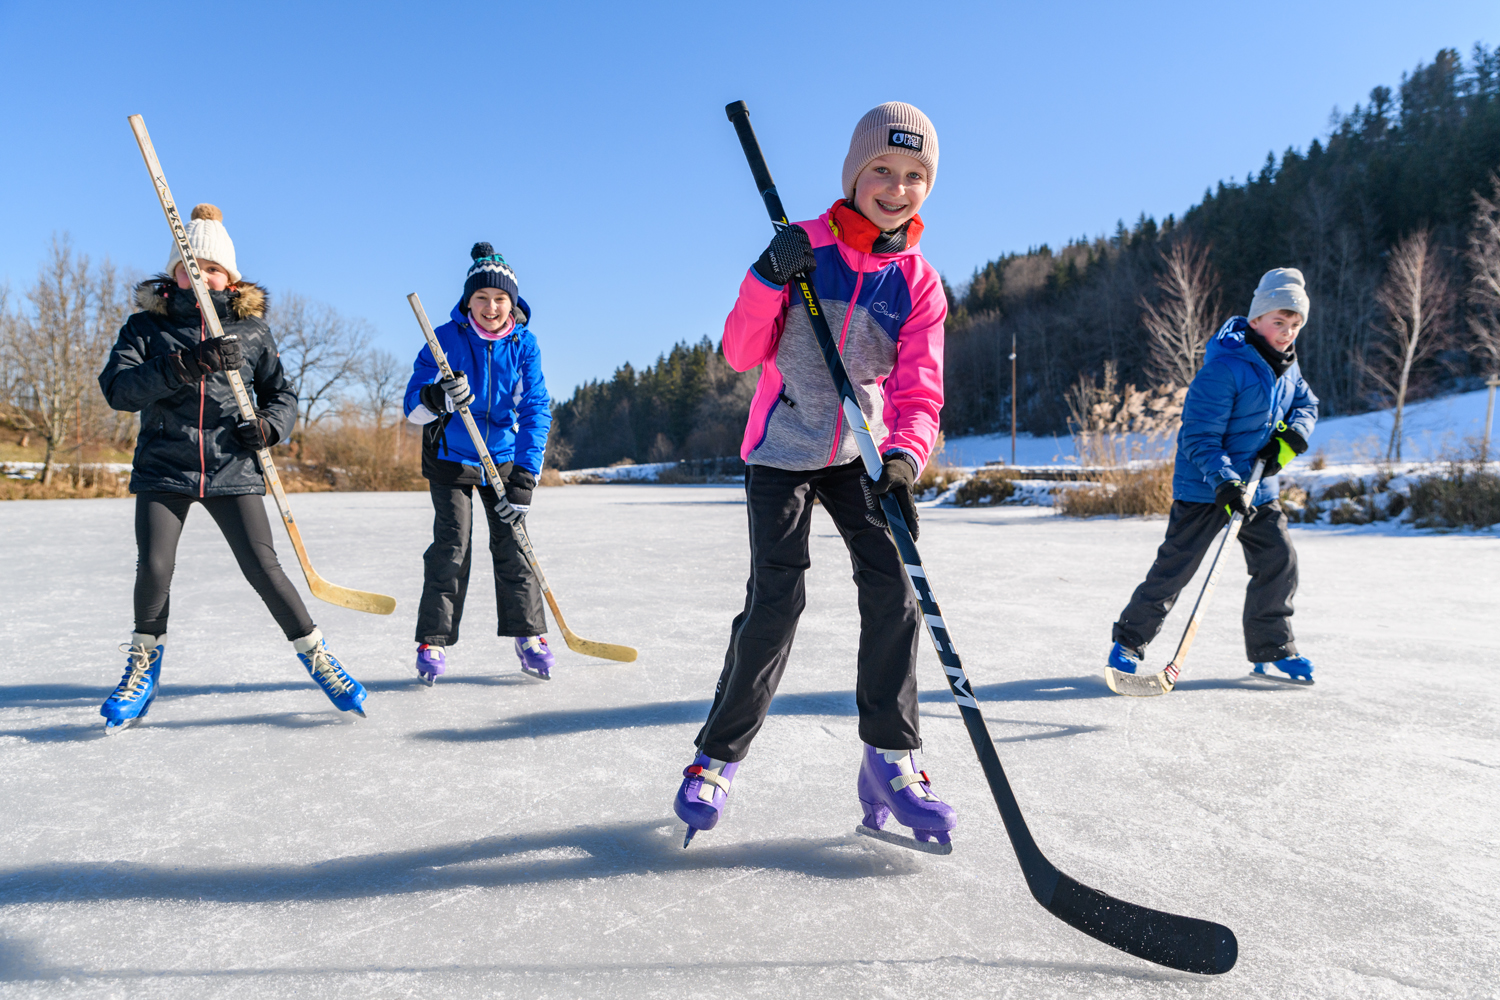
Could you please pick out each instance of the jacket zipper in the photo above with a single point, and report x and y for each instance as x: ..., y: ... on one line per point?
x: 838, y: 422
x: 202, y: 395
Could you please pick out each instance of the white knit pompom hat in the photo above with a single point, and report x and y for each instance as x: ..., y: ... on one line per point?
x: 210, y: 241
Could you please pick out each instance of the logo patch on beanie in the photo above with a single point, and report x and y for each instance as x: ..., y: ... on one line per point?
x: 905, y: 139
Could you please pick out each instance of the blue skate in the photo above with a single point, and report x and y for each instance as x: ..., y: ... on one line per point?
x: 138, y: 685
x: 1124, y: 660
x: 1298, y: 670
x: 346, y: 693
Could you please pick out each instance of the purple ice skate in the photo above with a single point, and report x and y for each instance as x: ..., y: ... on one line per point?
x: 691, y: 807
x: 536, y: 658
x: 897, y: 787
x: 431, y: 661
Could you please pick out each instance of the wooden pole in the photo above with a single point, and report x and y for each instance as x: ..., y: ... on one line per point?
x: 1489, y: 418
x: 1012, y: 399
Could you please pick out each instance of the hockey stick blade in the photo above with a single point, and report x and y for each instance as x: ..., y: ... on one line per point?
x: 578, y: 644
x: 1176, y: 942
x: 356, y: 600
x: 1139, y: 685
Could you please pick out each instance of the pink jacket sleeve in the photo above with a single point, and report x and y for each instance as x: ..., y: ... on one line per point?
x: 754, y: 324
x: 914, y: 389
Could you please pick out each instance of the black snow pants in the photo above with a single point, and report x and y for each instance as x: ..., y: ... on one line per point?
x: 780, y: 507
x: 158, y: 526
x: 1269, y: 557
x: 446, y: 565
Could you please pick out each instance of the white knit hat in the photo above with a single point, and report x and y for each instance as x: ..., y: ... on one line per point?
x: 893, y: 127
x: 1281, y: 288
x: 210, y: 241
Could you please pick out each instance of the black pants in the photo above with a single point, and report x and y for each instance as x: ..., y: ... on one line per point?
x: 780, y: 505
x: 446, y: 564
x: 158, y: 525
x: 1269, y: 556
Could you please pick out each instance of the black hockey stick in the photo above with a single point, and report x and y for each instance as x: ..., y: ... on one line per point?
x: 1185, y: 943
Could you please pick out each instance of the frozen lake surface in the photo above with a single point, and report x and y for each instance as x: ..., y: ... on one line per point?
x: 500, y: 836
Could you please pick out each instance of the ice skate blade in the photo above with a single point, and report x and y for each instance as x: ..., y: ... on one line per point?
x: 115, y: 729
x: 911, y: 843
x: 359, y: 712
x: 691, y: 832
x: 538, y: 676
x: 1137, y: 685
x: 428, y: 680
x: 1293, y: 681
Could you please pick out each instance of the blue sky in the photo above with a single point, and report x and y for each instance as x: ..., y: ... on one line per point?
x: 357, y: 150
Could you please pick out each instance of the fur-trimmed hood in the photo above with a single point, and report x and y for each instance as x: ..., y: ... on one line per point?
x: 250, y: 301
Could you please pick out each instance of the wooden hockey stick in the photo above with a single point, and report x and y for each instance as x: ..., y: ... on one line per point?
x: 578, y: 644
x: 358, y: 600
x: 1162, y: 682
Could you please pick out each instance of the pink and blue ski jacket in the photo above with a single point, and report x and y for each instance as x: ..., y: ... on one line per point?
x: 887, y: 311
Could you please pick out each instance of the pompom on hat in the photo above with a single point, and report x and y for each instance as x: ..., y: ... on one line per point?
x: 489, y: 270
x: 210, y: 241
x: 893, y: 127
x: 1281, y: 288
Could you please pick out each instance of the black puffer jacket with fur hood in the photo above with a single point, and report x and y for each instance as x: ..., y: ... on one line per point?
x: 186, y: 442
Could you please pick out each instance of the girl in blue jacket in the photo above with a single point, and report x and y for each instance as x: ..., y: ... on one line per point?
x: 1248, y: 401
x: 497, y: 372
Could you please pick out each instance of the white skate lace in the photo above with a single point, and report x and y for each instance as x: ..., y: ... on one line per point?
x: 326, y: 671
x: 133, y: 684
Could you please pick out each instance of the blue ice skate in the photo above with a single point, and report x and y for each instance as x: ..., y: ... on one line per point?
x: 1123, y: 659
x: 346, y: 693
x: 1298, y: 670
x: 137, y: 689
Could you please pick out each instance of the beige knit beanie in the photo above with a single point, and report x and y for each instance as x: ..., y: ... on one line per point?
x: 1280, y: 288
x: 210, y: 241
x: 893, y: 127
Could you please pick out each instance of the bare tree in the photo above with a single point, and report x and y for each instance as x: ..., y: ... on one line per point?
x: 320, y: 350
x: 382, y: 381
x: 1179, y: 324
x: 53, y: 353
x: 1418, y: 297
x: 1484, y: 288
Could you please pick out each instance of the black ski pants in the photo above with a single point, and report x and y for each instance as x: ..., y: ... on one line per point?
x: 1269, y: 557
x: 780, y: 508
x: 158, y: 526
x: 446, y: 565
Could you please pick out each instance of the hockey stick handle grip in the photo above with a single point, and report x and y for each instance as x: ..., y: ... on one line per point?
x: 739, y: 116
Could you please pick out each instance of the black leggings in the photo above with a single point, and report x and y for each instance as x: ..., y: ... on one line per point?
x: 158, y: 525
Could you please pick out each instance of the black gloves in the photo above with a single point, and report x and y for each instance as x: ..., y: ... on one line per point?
x: 1231, y: 496
x: 253, y: 435
x: 216, y: 354
x: 518, y: 487
x: 1285, y: 445
x: 790, y: 253
x: 899, y: 477
x: 447, y: 394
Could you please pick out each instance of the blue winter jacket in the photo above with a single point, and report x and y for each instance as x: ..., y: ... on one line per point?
x: 511, y: 405
x: 1232, y: 409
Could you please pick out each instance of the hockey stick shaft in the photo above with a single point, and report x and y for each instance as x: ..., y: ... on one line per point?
x: 1200, y: 606
x: 602, y: 650
x: 357, y: 600
x: 1178, y: 942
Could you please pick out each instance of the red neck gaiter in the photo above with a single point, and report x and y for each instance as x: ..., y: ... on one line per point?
x: 859, y: 233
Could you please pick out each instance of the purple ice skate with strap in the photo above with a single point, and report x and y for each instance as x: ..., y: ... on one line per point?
x: 897, y: 788
x: 692, y: 808
x: 536, y: 658
x: 431, y: 661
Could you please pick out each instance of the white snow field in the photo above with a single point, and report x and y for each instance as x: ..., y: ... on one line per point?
x: 1433, y: 429
x: 501, y: 836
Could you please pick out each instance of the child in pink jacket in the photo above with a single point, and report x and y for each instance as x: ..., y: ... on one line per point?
x: 886, y: 306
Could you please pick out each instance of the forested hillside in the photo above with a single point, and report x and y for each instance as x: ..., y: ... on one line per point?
x: 1409, y: 161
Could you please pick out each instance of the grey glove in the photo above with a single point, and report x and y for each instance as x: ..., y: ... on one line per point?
x: 509, y: 512
x: 447, y: 393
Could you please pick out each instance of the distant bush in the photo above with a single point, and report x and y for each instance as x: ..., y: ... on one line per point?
x: 1464, y: 496
x: 1125, y: 492
x: 987, y: 487
x: 68, y: 483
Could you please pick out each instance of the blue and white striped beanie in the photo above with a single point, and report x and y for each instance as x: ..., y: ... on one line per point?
x: 489, y: 271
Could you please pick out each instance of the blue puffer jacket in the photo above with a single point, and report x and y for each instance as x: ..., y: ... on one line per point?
x: 511, y: 405
x: 1232, y: 408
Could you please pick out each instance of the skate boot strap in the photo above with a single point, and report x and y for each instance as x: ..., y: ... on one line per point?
x: 900, y: 781
x: 698, y: 771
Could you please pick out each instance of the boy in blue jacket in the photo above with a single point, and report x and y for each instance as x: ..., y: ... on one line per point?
x: 508, y: 399
x: 1248, y: 401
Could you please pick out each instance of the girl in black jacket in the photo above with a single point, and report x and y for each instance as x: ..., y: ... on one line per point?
x: 193, y: 447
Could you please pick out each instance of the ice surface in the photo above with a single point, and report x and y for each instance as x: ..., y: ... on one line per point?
x: 499, y: 836
x: 1434, y: 429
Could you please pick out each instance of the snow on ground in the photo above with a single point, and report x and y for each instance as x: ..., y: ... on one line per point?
x: 1435, y: 429
x: 499, y: 836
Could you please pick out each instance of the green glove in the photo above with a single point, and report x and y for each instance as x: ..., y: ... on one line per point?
x: 1285, y: 445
